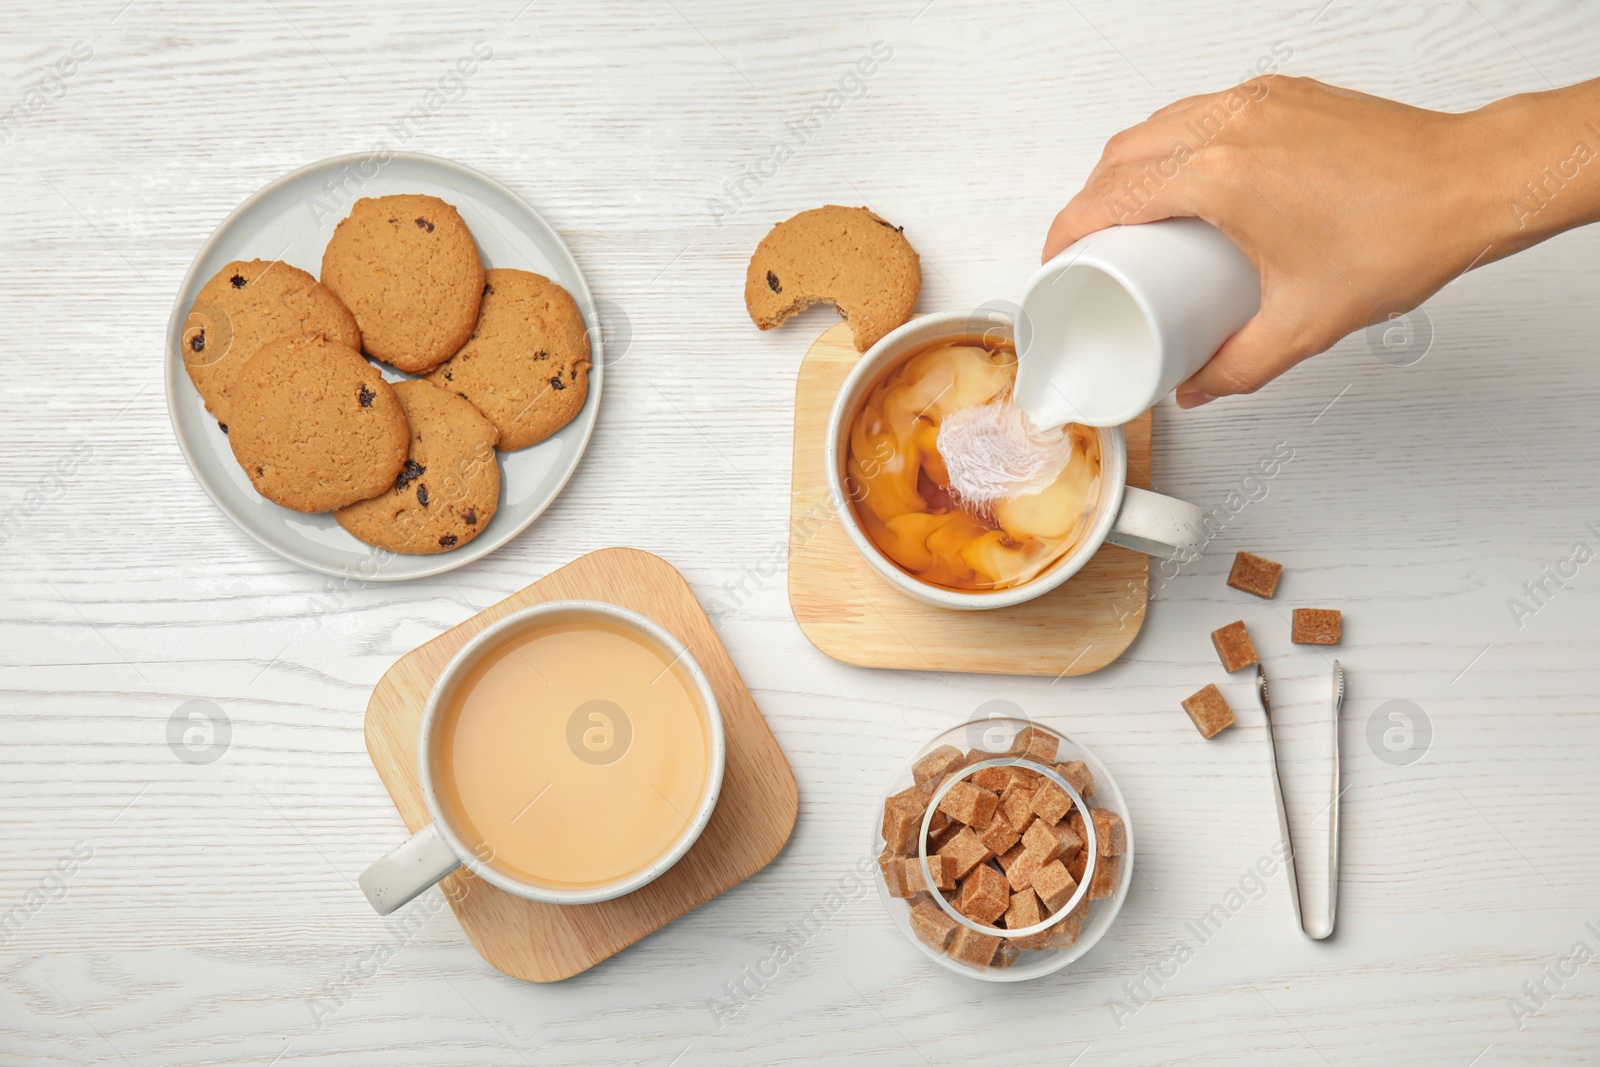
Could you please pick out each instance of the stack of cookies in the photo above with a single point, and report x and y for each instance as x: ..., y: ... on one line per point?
x: 285, y: 364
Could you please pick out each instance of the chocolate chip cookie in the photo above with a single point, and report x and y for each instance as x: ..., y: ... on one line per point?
x: 315, y: 426
x: 526, y: 365
x: 408, y: 269
x: 845, y: 256
x: 449, y: 487
x: 246, y: 304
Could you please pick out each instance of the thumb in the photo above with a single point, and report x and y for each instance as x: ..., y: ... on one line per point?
x: 1258, y: 353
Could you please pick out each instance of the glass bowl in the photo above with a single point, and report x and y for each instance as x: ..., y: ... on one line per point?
x: 940, y: 797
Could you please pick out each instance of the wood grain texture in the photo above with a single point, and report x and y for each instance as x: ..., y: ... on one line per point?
x: 754, y: 815
x: 848, y: 611
x: 219, y: 912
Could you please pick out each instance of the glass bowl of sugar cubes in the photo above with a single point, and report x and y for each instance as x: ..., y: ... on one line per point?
x: 1004, y: 850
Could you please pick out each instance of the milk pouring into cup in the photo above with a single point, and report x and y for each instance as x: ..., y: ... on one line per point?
x: 980, y: 462
x: 1119, y: 319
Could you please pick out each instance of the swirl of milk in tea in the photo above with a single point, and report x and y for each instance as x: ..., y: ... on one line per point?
x: 1019, y: 500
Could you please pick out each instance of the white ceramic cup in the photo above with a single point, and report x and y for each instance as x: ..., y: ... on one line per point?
x: 1125, y: 515
x: 438, y: 849
x: 1118, y: 320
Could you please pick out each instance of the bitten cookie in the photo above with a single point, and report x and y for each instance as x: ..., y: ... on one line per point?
x: 526, y: 365
x: 408, y: 269
x: 315, y: 426
x: 246, y: 304
x: 449, y: 487
x: 844, y: 256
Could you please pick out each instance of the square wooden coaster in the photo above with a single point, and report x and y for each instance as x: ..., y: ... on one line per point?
x: 754, y: 816
x: 849, y: 612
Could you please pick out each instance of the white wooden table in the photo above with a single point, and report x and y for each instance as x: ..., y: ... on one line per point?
x: 207, y: 913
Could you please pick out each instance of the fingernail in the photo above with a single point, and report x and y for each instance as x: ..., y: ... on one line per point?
x: 1194, y: 400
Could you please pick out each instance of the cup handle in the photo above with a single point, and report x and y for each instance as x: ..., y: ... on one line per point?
x: 408, y: 871
x: 1159, y: 525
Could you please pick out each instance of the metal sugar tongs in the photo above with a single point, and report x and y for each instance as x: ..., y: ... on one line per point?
x: 1333, y: 808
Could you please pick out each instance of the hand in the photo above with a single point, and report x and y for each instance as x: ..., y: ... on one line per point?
x: 1350, y: 206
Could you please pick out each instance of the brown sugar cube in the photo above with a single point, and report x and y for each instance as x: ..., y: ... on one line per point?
x: 1074, y: 822
x: 1023, y: 868
x: 902, y: 821
x: 894, y: 877
x: 1077, y: 775
x: 1063, y: 934
x: 999, y: 779
x: 1015, y: 802
x: 1209, y: 711
x: 936, y: 764
x: 972, y: 948
x: 1315, y: 626
x: 1026, y: 775
x: 1039, y: 940
x: 1107, y: 873
x: 1078, y: 864
x: 939, y: 821
x: 1006, y: 954
x: 932, y: 926
x: 1035, y: 744
x: 1054, y: 885
x: 998, y: 836
x: 1051, y: 842
x: 1009, y: 857
x: 1255, y: 575
x: 965, y: 850
x: 918, y: 794
x: 994, y: 779
x: 1110, y: 832
x: 967, y: 803
x: 943, y: 869
x: 984, y: 894
x: 1234, y: 647
x: 940, y: 838
x: 1050, y: 803
x: 1024, y: 910
x: 886, y: 857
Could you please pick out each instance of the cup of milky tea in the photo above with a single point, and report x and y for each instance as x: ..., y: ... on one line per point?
x: 571, y: 752
x: 1040, y: 505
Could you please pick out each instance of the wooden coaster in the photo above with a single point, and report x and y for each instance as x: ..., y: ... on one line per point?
x: 753, y: 818
x: 850, y: 613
